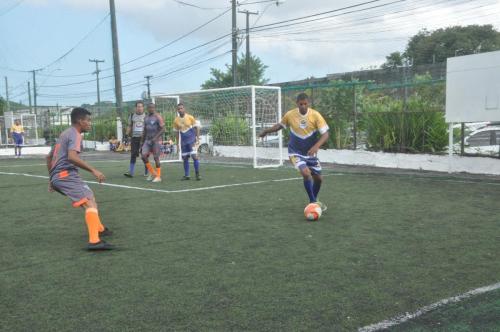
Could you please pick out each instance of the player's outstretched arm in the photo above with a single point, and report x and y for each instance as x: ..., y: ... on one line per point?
x: 273, y: 129
x: 48, y: 160
x: 322, y: 140
x: 75, y: 159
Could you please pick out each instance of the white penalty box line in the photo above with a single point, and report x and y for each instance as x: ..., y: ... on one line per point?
x: 409, y: 316
x: 167, y: 191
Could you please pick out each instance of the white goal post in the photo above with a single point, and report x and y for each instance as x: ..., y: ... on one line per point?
x: 231, y: 120
x: 166, y: 105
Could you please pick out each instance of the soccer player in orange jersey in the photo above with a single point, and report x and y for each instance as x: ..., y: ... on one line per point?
x: 63, y: 162
x: 154, y: 128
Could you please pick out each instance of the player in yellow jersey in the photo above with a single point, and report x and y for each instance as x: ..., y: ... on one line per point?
x: 188, y: 134
x: 305, y: 124
x: 17, y: 132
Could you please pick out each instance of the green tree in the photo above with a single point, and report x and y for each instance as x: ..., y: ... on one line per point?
x: 427, y: 47
x: 393, y: 60
x: 224, y: 79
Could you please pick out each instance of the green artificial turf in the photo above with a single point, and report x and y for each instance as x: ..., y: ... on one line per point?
x: 243, y: 257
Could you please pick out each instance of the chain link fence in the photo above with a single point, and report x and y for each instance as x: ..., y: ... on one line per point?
x: 399, y: 110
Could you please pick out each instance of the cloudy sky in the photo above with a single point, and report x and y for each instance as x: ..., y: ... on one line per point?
x: 60, y: 36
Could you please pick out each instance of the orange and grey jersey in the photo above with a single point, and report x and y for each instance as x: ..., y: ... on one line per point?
x: 153, y: 124
x: 186, y: 125
x: 70, y: 139
x: 304, y: 130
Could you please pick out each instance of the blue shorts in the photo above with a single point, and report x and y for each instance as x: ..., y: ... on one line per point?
x: 300, y: 162
x: 17, y: 138
x: 189, y: 149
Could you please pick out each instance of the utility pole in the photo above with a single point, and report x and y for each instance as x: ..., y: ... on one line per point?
x: 29, y: 97
x: 148, y: 84
x: 116, y: 59
x: 247, y: 61
x: 34, y: 91
x: 97, y: 71
x: 235, y: 43
x: 7, y: 93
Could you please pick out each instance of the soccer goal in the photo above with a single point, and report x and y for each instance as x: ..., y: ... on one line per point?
x: 28, y: 121
x: 167, y: 107
x: 231, y: 120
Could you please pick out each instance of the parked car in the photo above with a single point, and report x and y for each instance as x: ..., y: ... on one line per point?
x: 206, y: 142
x: 485, y: 140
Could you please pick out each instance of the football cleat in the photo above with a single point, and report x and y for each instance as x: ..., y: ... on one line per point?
x: 106, y: 232
x: 184, y: 178
x: 101, y: 245
x: 322, y: 206
x: 198, y: 177
x: 150, y: 177
x: 157, y: 179
x: 128, y: 175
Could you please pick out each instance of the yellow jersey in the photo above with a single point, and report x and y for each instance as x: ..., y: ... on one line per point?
x: 16, y: 129
x: 186, y: 126
x: 303, y: 130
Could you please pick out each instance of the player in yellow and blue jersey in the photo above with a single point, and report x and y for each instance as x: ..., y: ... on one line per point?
x: 17, y: 132
x: 305, y: 124
x: 188, y: 131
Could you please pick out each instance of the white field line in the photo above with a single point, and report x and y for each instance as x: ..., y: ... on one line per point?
x: 166, y: 191
x: 409, y: 316
x: 278, y: 169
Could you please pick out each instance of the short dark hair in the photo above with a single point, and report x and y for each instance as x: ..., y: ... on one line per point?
x: 139, y: 102
x: 79, y: 113
x: 302, y: 96
x: 180, y: 104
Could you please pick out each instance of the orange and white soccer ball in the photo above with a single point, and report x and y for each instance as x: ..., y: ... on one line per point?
x: 312, y: 212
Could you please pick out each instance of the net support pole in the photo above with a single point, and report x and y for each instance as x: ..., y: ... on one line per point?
x: 254, y: 129
x: 280, y: 133
x: 450, y: 146
x: 36, y: 130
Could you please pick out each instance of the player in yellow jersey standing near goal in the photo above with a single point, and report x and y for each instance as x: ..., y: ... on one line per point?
x: 17, y: 132
x: 305, y: 124
x: 188, y: 133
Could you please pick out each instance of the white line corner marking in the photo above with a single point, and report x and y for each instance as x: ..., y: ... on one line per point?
x: 409, y: 316
x: 166, y: 191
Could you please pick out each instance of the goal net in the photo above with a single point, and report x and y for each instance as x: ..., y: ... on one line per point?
x: 29, y: 123
x: 231, y: 120
x: 167, y: 107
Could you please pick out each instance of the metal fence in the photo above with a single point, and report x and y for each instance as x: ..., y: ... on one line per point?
x: 392, y: 110
x: 403, y: 117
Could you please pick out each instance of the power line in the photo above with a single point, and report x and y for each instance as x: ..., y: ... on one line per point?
x: 361, y: 22
x: 8, y: 10
x: 196, y: 6
x: 177, y: 39
x: 77, y: 44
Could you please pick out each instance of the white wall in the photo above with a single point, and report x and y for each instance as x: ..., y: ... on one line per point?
x: 473, y: 165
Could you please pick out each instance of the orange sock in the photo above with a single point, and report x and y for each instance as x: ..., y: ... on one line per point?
x: 93, y: 222
x: 150, y: 169
x: 158, y: 171
x: 101, y: 226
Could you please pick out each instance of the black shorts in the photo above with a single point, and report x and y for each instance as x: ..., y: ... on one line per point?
x: 135, y: 146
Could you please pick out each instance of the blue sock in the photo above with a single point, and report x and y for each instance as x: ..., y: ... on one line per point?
x: 145, y: 170
x: 131, y: 168
x: 308, y: 184
x: 316, y: 188
x: 196, y: 163
x: 186, y: 166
